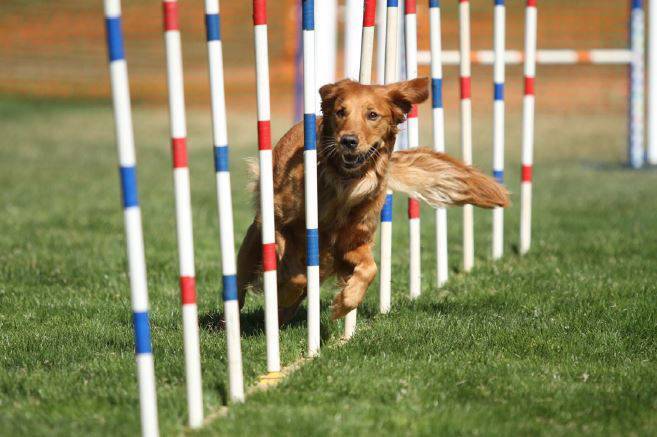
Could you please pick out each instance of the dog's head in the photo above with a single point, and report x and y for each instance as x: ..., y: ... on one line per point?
x: 360, y: 121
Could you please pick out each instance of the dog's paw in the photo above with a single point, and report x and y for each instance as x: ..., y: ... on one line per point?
x: 340, y: 308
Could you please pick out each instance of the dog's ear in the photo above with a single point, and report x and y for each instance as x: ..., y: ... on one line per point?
x: 403, y: 95
x: 329, y: 93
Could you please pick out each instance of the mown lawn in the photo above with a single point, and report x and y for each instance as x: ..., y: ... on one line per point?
x: 562, y: 341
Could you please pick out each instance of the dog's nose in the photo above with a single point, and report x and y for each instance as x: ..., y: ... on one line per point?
x: 349, y: 141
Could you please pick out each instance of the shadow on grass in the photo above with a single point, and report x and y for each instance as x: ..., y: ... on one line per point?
x: 616, y: 166
x: 252, y: 322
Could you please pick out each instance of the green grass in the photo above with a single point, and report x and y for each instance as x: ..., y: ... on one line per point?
x: 561, y: 341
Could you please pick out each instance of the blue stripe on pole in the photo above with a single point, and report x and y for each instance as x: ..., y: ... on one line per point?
x: 499, y: 2
x: 312, y: 247
x: 308, y: 15
x: 393, y: 3
x: 436, y: 93
x: 386, y: 212
x: 114, y: 38
x: 129, y: 186
x: 637, y: 4
x: 230, y: 287
x: 142, y: 332
x: 434, y: 4
x: 221, y: 158
x: 499, y: 91
x: 499, y: 176
x: 212, y: 27
x: 309, y: 132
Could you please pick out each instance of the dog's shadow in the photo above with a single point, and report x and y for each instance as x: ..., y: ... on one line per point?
x: 252, y: 322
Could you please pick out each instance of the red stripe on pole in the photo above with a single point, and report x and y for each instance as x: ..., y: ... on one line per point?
x: 264, y: 135
x: 529, y: 86
x: 531, y: 3
x: 187, y: 289
x: 259, y: 12
x: 269, y: 257
x: 179, y: 149
x: 413, y: 208
x: 369, y: 13
x: 413, y: 113
x: 465, y: 88
x: 410, y: 6
x: 463, y: 1
x: 526, y: 173
x: 170, y: 10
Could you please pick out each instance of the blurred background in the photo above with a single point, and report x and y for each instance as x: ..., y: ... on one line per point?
x: 56, y: 49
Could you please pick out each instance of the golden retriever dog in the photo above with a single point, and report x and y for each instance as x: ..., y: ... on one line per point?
x: 356, y: 164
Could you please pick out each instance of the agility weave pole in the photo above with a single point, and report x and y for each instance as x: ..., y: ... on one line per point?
x: 438, y: 127
x: 499, y: 34
x: 365, y: 77
x: 132, y: 217
x: 391, y: 71
x: 266, y: 188
x: 310, y: 175
x: 528, y: 128
x: 224, y: 200
x: 353, y: 18
x: 466, y: 127
x: 636, y: 148
x: 651, y: 154
x: 182, y: 197
x: 415, y: 259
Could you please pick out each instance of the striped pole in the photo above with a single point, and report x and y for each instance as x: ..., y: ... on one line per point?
x: 352, y: 37
x: 310, y: 174
x: 132, y: 217
x: 386, y: 213
x: 413, y: 142
x: 224, y: 199
x: 637, y: 89
x: 528, y: 128
x: 466, y: 127
x: 498, y: 121
x: 266, y: 188
x: 365, y: 77
x: 652, y: 83
x: 438, y: 116
x: 184, y: 233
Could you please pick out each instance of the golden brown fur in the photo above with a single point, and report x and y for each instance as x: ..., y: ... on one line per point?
x: 356, y: 164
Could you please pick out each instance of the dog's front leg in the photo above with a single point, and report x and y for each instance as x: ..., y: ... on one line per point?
x: 357, y: 270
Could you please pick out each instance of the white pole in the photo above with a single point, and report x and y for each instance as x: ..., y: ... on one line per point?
x: 269, y: 259
x: 224, y: 200
x: 365, y: 77
x: 381, y: 24
x: 353, y: 21
x: 438, y: 118
x: 391, y: 70
x: 637, y: 85
x: 498, y: 122
x: 132, y: 218
x: 528, y: 128
x: 466, y: 127
x: 413, y: 142
x: 652, y: 83
x: 326, y: 26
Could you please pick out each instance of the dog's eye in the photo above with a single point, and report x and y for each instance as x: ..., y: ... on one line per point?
x: 372, y: 115
x: 340, y: 112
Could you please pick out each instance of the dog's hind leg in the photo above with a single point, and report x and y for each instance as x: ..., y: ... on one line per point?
x: 249, y: 262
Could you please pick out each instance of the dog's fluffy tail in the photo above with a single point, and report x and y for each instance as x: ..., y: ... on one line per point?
x: 441, y: 180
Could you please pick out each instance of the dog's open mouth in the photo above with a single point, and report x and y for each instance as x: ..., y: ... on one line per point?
x: 352, y: 161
